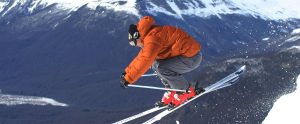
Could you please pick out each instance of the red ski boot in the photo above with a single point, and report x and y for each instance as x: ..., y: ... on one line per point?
x: 180, y: 98
x: 167, y: 99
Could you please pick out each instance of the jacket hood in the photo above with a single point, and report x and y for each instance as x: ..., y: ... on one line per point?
x: 144, y: 25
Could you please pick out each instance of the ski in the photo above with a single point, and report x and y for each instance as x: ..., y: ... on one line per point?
x: 225, y: 82
x: 140, y: 115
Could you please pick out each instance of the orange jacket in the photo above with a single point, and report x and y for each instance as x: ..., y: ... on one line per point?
x: 160, y: 42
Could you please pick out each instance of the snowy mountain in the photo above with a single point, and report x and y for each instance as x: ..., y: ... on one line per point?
x: 74, y: 51
x: 238, y: 23
x: 275, y: 10
x: 33, y: 6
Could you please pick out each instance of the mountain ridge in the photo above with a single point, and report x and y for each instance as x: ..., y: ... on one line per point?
x: 268, y: 10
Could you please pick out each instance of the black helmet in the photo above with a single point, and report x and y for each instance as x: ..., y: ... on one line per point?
x: 133, y: 35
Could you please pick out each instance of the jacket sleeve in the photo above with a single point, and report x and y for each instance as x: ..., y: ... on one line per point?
x: 143, y: 60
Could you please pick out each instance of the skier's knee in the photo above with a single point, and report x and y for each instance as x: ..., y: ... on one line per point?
x: 165, y: 72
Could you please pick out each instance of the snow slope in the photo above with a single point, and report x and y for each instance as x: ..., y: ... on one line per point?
x: 287, y: 109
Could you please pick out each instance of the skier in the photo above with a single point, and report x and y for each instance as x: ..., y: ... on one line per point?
x: 171, y: 52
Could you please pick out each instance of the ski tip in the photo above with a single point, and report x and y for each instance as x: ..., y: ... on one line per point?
x: 241, y: 70
x: 243, y: 67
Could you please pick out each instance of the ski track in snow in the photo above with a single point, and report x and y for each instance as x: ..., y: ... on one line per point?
x: 11, y: 100
x: 286, y: 110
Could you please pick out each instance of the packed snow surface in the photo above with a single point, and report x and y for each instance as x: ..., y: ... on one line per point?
x: 286, y: 110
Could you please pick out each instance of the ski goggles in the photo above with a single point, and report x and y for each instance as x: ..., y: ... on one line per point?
x: 133, y: 38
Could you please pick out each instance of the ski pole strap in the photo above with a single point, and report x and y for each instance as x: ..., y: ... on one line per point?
x: 156, y: 88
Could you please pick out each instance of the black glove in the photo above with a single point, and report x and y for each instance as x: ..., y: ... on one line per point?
x: 123, y: 81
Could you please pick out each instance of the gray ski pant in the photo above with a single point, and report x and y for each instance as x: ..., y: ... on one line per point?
x: 171, y: 70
